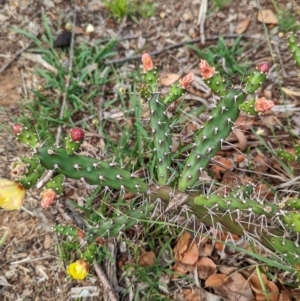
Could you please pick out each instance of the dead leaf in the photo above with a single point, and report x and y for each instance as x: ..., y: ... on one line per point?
x: 285, y: 295
x: 267, y: 16
x: 190, y: 256
x: 181, y: 245
x: 168, y: 79
x: 271, y: 288
x: 222, y: 164
x: 242, y: 26
x: 191, y: 295
x: 206, y: 267
x: 237, y: 288
x: 147, y: 259
x: 215, y: 280
x: 182, y: 269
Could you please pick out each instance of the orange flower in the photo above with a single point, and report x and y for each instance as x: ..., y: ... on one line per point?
x: 48, y: 198
x: 78, y: 269
x: 205, y: 70
x: 147, y: 62
x: 12, y: 194
x: 187, y: 80
x: 262, y: 104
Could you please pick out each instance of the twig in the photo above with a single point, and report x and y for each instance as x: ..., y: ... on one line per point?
x: 23, y: 49
x: 177, y: 45
x: 201, y: 20
x: 106, y: 284
x: 15, y: 57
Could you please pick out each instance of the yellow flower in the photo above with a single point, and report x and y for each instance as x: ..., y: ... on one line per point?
x: 78, y: 269
x: 12, y: 194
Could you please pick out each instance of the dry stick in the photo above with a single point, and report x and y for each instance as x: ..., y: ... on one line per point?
x: 177, y: 45
x: 201, y: 19
x: 21, y: 50
x: 106, y: 284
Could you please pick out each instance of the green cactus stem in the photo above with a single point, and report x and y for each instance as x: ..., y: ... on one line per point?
x: 292, y: 220
x: 232, y: 222
x: 292, y: 204
x: 222, y: 204
x: 256, y: 79
x: 161, y: 137
x: 288, y: 249
x: 151, y: 78
x: 217, y: 84
x: 248, y: 107
x: 24, y: 135
x: 144, y: 90
x: 211, y: 136
x: 56, y: 184
x: 66, y: 230
x: 285, y: 155
x: 89, y: 253
x: 175, y: 92
x: 74, y: 140
x: 91, y: 170
x: 125, y: 220
x: 294, y: 48
x: 31, y: 178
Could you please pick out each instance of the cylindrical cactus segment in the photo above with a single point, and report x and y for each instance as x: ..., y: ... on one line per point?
x: 151, y: 79
x: 222, y: 204
x: 31, y: 164
x: 294, y: 48
x: 161, y: 137
x: 287, y: 249
x: 24, y: 135
x: 292, y: 220
x: 74, y: 140
x: 285, y: 155
x: 254, y: 81
x: 66, y: 230
x: 217, y: 84
x: 124, y: 221
x: 89, y: 253
x: 144, y: 90
x: 56, y: 184
x: 248, y: 107
x: 292, y: 204
x: 93, y: 171
x: 210, y: 137
x: 30, y: 179
x: 179, y: 88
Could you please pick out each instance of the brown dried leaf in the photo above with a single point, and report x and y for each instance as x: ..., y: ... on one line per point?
x: 147, y: 259
x: 182, y: 269
x: 167, y: 79
x: 267, y: 16
x: 242, y: 26
x: 237, y: 288
x: 285, y: 295
x: 182, y: 245
x: 190, y: 256
x: 191, y: 295
x: 215, y: 280
x: 260, y: 294
x: 206, y: 267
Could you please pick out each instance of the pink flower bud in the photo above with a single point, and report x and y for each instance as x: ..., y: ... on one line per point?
x: 206, y: 71
x: 147, y: 62
x: 17, y: 128
x: 262, y: 105
x: 187, y: 80
x: 263, y: 67
x: 77, y: 134
x: 48, y: 198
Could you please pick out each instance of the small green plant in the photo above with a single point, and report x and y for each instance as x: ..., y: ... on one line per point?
x: 132, y: 8
x: 224, y: 57
x: 221, y: 4
x: 65, y: 92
